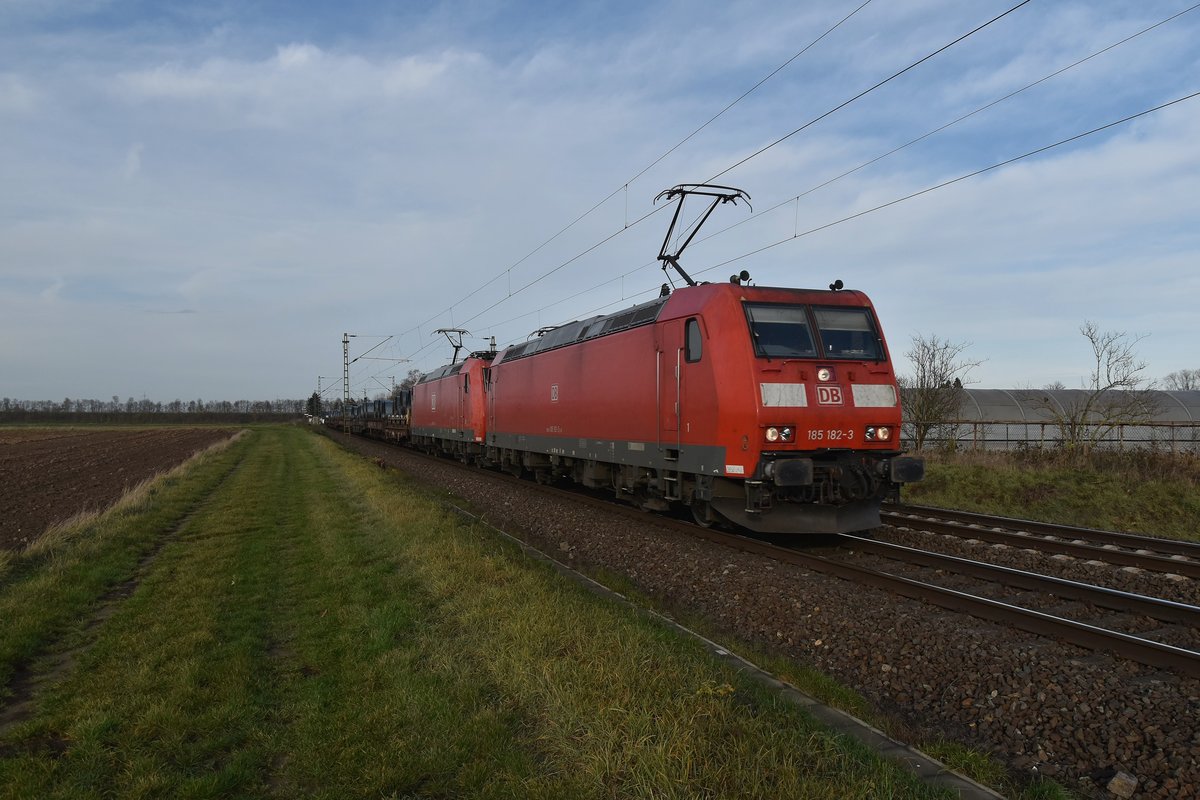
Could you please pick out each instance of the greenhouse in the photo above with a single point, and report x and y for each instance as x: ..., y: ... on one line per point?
x: 999, y: 419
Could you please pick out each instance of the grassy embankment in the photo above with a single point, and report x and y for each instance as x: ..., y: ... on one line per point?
x: 1148, y: 493
x: 286, y: 621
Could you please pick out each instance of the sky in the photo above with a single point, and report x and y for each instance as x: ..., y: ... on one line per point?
x: 198, y: 200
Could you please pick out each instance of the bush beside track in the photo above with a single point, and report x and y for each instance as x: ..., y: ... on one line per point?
x: 1151, y: 493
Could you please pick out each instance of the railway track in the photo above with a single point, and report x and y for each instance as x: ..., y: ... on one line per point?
x: 1088, y: 636
x: 841, y: 563
x: 1149, y: 553
x: 1082, y: 634
x: 1113, y: 599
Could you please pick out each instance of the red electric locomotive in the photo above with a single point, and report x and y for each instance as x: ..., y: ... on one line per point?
x: 448, y: 411
x: 776, y: 409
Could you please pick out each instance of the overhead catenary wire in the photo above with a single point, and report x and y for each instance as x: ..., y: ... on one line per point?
x: 380, y: 344
x: 743, y: 96
x: 912, y: 195
x: 951, y: 182
x: 948, y: 125
x: 927, y: 190
x: 625, y: 185
x: 799, y: 234
x: 861, y: 94
x: 867, y: 91
x: 744, y: 160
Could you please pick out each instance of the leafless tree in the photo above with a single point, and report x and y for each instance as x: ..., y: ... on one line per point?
x: 1183, y: 380
x: 933, y: 395
x: 410, y: 380
x: 1117, y: 393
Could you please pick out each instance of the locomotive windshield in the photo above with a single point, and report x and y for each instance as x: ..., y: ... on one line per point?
x: 848, y: 333
x: 783, y: 331
x: 780, y: 331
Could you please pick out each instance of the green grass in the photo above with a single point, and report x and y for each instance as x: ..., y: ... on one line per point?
x: 316, y: 627
x: 979, y: 766
x: 46, y: 590
x: 984, y: 769
x: 1158, y: 496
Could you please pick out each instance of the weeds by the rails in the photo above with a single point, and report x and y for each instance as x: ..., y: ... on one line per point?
x: 1129, y: 492
x: 811, y: 682
x: 312, y: 631
x: 980, y: 767
x: 985, y: 769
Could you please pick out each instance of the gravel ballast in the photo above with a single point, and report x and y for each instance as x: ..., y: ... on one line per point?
x: 1039, y: 706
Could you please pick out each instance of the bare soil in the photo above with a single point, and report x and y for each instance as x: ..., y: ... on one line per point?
x: 48, y: 475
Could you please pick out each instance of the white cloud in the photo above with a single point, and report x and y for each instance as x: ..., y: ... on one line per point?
x: 293, y: 56
x: 51, y: 292
x: 133, y: 160
x: 288, y: 185
x: 298, y: 84
x: 17, y: 97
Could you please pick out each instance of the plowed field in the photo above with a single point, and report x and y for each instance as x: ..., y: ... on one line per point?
x: 50, y: 475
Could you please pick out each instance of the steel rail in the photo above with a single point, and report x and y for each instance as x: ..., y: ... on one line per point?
x: 1113, y: 599
x: 1133, y: 541
x: 1187, y: 568
x: 1091, y: 637
x: 1081, y: 634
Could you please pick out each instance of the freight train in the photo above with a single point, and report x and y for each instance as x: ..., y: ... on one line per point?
x: 775, y: 409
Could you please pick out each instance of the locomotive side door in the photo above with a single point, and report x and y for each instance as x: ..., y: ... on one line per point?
x: 464, y: 400
x: 670, y: 384
x: 489, y: 404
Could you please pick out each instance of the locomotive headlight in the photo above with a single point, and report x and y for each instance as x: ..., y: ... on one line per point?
x: 824, y: 374
x: 879, y: 433
x: 778, y: 433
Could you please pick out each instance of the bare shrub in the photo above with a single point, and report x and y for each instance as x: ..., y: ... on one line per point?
x: 933, y: 395
x: 1117, y: 394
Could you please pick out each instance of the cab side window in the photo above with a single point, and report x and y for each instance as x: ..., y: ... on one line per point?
x: 693, y: 346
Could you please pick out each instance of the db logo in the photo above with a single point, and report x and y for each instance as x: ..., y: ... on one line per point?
x: 829, y: 395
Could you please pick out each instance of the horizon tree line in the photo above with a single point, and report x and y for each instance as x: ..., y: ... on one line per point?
x: 115, y: 405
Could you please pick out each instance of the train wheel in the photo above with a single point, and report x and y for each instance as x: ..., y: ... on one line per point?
x: 702, y: 513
